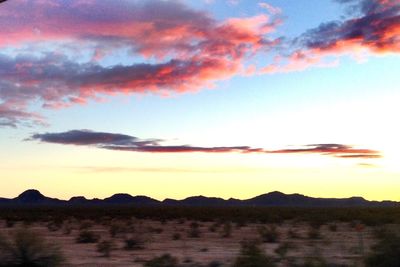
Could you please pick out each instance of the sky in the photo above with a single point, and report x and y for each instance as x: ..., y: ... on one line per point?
x: 225, y: 98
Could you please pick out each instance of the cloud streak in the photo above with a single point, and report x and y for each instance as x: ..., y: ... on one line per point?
x: 122, y: 142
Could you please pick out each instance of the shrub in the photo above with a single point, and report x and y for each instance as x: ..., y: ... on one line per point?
x: 240, y: 223
x: 212, y: 228
x: 214, y: 264
x: 293, y: 234
x: 165, y: 260
x: 315, y: 262
x: 105, y: 247
x: 314, y: 233
x: 132, y: 243
x: 117, y: 228
x: 155, y: 230
x: 86, y: 224
x: 10, y: 223
x: 54, y: 226
x: 386, y: 253
x: 333, y: 227
x: 176, y: 236
x: 67, y: 229
x: 252, y: 256
x: 283, y: 249
x: 86, y: 236
x: 26, y: 248
x: 269, y: 234
x: 194, y: 230
x: 226, y: 230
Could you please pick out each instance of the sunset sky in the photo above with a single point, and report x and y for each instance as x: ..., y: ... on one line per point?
x: 226, y: 98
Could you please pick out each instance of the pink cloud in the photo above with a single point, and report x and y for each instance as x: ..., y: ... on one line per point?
x: 183, y: 49
x: 373, y: 29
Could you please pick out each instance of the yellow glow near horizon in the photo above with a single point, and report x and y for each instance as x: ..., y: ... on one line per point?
x: 101, y: 173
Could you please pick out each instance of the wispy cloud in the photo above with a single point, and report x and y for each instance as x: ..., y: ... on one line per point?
x: 122, y: 142
x: 336, y: 150
x: 271, y: 9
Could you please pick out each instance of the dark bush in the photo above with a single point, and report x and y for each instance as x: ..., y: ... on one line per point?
x: 155, y: 230
x: 333, y: 227
x: 292, y: 233
x: 10, y: 223
x: 314, y: 233
x: 165, y: 260
x: 86, y: 224
x: 133, y: 243
x: 117, y: 228
x: 269, y: 234
x: 226, y: 230
x: 214, y: 264
x: 105, y: 247
x: 86, y: 236
x: 54, y: 226
x: 315, y: 262
x: 194, y: 230
x: 176, y: 236
x: 386, y: 253
x: 283, y: 249
x: 26, y: 248
x: 252, y: 256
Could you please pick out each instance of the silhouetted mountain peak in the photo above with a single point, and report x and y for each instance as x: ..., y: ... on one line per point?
x: 122, y: 198
x: 275, y: 193
x: 119, y: 198
x: 200, y: 198
x: 78, y: 200
x: 31, y: 195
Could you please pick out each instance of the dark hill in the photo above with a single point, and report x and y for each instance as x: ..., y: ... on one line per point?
x: 273, y: 199
x: 128, y: 199
x: 33, y: 196
x: 297, y: 200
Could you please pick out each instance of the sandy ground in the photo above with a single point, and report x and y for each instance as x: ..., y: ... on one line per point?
x: 341, y: 246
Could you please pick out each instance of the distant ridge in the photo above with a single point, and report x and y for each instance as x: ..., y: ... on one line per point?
x: 272, y: 199
x: 33, y: 196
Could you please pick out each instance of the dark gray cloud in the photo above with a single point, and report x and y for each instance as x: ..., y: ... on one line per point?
x: 122, y: 142
x: 373, y: 24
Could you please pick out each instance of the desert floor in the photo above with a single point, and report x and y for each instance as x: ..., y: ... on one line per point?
x: 343, y: 244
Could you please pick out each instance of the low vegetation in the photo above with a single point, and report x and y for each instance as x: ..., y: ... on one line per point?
x: 284, y: 236
x: 165, y: 260
x: 386, y: 252
x: 105, y: 247
x: 269, y: 234
x: 26, y: 248
x: 252, y: 256
x: 87, y: 236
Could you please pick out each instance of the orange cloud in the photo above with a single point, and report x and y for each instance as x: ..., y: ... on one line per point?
x: 182, y: 49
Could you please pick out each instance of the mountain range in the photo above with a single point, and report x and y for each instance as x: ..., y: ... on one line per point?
x: 272, y: 199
